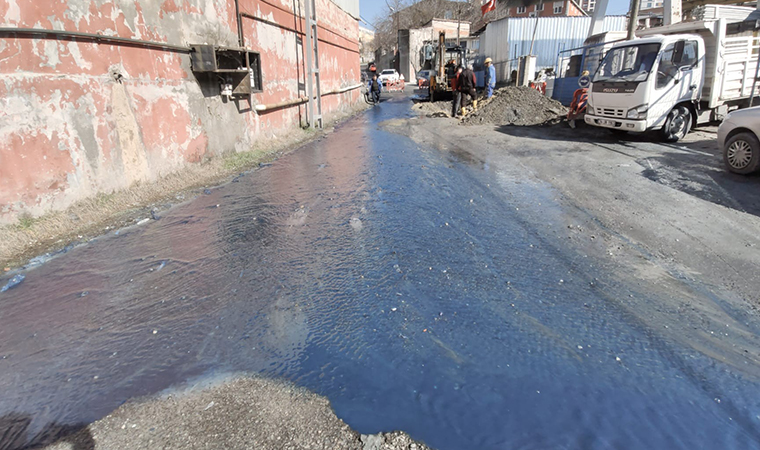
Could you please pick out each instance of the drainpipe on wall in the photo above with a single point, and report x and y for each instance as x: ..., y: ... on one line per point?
x: 241, y: 40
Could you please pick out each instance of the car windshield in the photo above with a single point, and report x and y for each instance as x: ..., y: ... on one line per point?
x: 630, y: 63
x: 387, y: 72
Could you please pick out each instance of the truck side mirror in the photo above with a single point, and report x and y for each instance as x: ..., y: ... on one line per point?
x: 678, y: 52
x: 677, y: 77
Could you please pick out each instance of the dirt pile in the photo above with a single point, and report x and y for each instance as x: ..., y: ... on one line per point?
x: 433, y: 109
x: 242, y: 413
x: 521, y: 106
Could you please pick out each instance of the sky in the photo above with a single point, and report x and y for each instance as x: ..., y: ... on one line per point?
x: 370, y: 9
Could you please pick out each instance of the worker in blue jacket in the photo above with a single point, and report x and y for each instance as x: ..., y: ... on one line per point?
x: 490, y: 77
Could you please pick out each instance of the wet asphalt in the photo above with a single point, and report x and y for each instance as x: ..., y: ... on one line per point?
x: 404, y: 283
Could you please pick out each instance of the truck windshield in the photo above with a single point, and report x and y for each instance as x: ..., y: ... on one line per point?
x: 630, y: 63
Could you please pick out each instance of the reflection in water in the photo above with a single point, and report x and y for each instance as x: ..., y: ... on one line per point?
x: 390, y: 279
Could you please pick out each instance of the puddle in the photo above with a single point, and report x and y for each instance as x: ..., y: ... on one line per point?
x: 389, y: 278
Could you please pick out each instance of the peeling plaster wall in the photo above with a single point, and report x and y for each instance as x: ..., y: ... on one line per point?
x: 78, y: 118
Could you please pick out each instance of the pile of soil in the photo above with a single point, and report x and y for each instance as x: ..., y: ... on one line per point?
x: 513, y: 105
x: 433, y: 109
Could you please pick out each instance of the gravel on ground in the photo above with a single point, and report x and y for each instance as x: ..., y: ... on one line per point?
x: 236, y: 413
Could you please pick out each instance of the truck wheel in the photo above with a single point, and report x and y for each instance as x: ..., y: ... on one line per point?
x: 741, y: 153
x: 677, y: 125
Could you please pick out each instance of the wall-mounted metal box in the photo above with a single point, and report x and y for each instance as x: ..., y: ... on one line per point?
x: 236, y: 66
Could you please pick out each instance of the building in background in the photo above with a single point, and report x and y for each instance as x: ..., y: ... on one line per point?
x: 562, y: 8
x: 366, y: 45
x: 508, y: 39
x: 650, y: 13
x: 411, y: 56
x: 134, y: 95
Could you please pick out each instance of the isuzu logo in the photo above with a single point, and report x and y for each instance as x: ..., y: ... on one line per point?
x: 615, y: 88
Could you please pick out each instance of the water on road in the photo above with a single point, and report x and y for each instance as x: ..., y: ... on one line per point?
x: 404, y: 283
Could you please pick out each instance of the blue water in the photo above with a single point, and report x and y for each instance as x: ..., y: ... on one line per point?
x: 408, y: 284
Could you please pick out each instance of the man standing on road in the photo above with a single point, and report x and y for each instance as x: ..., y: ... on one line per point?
x: 467, y: 87
x: 490, y: 77
x: 457, y: 100
x: 375, y: 87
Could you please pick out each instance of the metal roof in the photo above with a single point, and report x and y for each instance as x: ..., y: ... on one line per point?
x: 507, y: 39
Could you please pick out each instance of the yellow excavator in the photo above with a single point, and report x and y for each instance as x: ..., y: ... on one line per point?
x: 445, y: 62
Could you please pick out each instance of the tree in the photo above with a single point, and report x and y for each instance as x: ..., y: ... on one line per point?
x: 409, y: 14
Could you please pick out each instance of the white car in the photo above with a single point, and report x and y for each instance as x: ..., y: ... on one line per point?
x: 388, y: 75
x: 738, y: 138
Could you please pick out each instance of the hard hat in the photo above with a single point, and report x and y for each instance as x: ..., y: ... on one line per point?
x: 488, y: 60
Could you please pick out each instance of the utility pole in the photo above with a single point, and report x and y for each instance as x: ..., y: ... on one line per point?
x: 633, y: 20
x: 459, y: 22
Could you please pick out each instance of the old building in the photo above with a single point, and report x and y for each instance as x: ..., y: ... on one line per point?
x: 411, y: 42
x: 562, y: 8
x: 96, y: 95
x: 366, y: 45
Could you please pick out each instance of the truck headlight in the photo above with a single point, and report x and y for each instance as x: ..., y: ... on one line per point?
x: 639, y: 112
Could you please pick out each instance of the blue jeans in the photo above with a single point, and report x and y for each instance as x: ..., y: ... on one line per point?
x: 489, y: 91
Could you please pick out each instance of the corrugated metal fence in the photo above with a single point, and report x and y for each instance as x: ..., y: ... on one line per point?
x: 507, y: 39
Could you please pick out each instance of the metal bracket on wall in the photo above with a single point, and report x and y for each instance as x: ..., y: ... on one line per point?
x: 313, y: 87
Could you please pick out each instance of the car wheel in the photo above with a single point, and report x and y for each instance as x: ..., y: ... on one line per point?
x: 741, y: 153
x: 677, y: 125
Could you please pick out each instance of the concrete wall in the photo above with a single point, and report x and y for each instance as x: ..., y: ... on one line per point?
x: 79, y: 117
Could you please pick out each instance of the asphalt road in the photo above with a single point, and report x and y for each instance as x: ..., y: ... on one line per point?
x: 476, y: 287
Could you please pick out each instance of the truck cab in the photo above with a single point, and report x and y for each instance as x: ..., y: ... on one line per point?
x: 654, y: 83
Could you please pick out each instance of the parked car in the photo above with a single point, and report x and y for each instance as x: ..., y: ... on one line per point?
x: 423, y: 77
x: 738, y: 138
x: 388, y: 75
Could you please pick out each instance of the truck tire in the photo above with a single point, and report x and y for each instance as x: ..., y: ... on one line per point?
x: 677, y: 125
x: 741, y: 153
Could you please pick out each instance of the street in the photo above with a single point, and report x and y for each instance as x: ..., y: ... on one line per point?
x: 474, y: 286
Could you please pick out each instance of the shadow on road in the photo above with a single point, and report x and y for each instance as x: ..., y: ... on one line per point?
x: 15, y: 434
x: 696, y: 168
x: 693, y: 166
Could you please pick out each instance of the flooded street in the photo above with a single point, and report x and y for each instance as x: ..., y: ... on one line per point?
x: 417, y: 287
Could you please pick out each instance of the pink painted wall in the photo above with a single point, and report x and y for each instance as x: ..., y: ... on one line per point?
x: 78, y: 118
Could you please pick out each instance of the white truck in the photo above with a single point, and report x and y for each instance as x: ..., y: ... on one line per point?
x: 674, y: 77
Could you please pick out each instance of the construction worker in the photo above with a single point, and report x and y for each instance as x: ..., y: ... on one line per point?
x: 490, y: 77
x: 467, y: 87
x: 457, y: 100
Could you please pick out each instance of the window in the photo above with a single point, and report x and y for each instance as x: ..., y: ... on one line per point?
x: 521, y: 10
x: 558, y: 7
x: 531, y: 14
x: 540, y: 7
x: 676, y: 57
x: 630, y: 63
x: 689, y: 56
x: 667, y: 68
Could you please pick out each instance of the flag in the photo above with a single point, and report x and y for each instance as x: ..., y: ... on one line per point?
x: 489, y: 6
